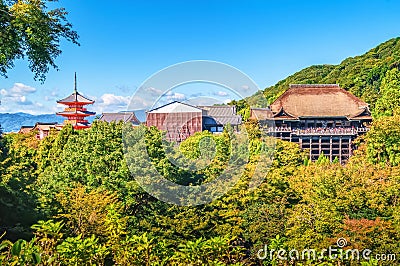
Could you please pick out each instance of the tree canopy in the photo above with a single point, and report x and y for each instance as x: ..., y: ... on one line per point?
x: 28, y: 29
x: 87, y: 208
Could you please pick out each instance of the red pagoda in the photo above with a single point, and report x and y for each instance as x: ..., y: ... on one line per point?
x: 75, y: 112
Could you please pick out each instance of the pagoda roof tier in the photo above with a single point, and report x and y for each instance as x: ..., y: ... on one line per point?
x: 82, y: 124
x: 80, y: 113
x: 75, y: 97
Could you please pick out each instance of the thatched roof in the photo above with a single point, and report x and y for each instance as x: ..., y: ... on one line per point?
x: 25, y: 129
x: 260, y: 113
x: 318, y: 100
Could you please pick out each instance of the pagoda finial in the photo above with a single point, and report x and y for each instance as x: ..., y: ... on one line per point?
x: 75, y: 87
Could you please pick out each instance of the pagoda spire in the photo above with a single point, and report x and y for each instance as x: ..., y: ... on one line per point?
x: 76, y: 89
x: 76, y: 85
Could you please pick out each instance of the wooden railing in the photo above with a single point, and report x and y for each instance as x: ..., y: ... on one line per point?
x: 319, y: 131
x: 73, y: 109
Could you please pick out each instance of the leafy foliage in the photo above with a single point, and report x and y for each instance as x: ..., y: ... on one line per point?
x: 383, y: 141
x: 29, y: 29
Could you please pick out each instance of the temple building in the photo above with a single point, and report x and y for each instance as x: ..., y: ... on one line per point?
x: 43, y: 129
x: 216, y: 117
x: 181, y: 120
x: 75, y: 113
x: 125, y: 117
x: 322, y: 118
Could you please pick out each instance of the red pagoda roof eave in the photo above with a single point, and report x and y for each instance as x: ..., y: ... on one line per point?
x: 81, y: 116
x: 67, y: 115
x: 75, y: 103
x: 81, y: 127
x: 75, y: 114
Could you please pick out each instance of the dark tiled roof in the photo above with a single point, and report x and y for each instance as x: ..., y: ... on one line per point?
x: 75, y: 97
x: 116, y: 117
x: 222, y: 110
x: 223, y: 115
x: 44, y: 126
x: 224, y: 120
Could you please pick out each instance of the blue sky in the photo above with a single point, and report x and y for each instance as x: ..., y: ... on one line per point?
x: 125, y: 42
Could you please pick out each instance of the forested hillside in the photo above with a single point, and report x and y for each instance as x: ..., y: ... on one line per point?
x: 72, y: 200
x: 369, y: 76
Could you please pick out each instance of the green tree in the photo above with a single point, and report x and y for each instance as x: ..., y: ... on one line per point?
x: 389, y: 99
x: 29, y: 30
x: 383, y: 141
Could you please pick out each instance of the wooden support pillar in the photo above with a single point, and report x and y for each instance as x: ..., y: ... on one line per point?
x: 301, y: 142
x: 310, y: 148
x: 350, y: 147
x: 319, y: 146
x: 340, y: 149
x: 330, y: 149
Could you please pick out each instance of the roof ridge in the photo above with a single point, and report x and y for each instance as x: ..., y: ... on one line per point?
x: 172, y: 103
x: 314, y: 86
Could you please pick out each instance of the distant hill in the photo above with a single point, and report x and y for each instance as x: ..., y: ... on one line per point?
x: 13, y: 121
x: 361, y: 75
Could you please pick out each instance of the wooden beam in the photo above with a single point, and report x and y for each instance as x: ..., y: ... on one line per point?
x: 340, y: 149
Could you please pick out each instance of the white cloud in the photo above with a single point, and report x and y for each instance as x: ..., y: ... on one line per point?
x: 226, y: 101
x: 22, y: 104
x: 20, y: 88
x: 222, y: 93
x: 153, y: 91
x: 109, y: 102
x: 21, y: 100
x: 112, y: 99
x: 176, y: 96
x: 16, y: 95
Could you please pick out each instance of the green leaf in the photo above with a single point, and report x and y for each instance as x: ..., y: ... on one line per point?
x: 16, y: 248
x: 5, y: 244
x: 36, y: 258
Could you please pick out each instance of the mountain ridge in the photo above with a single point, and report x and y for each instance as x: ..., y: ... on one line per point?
x: 361, y: 75
x: 12, y: 122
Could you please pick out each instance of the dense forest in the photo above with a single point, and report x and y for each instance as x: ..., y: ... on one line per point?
x: 71, y: 198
